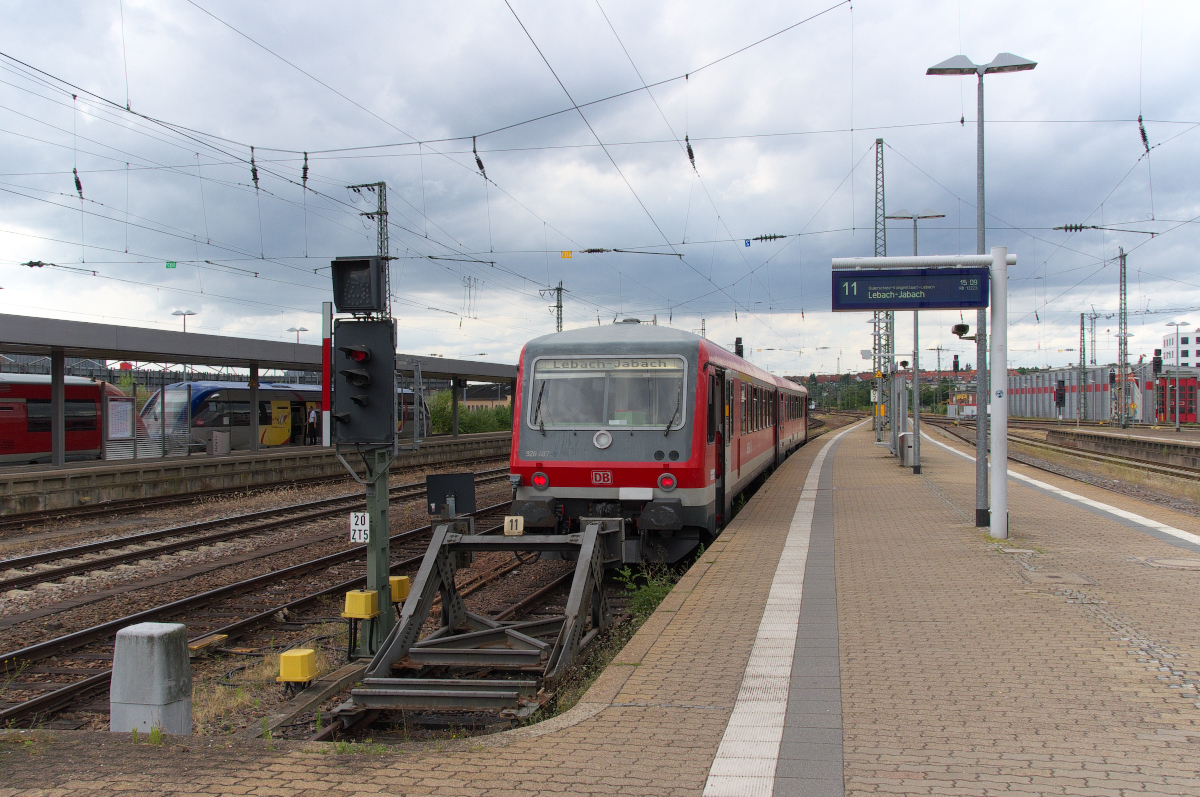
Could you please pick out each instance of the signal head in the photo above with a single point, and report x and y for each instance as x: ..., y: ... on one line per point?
x: 360, y: 354
x: 358, y: 284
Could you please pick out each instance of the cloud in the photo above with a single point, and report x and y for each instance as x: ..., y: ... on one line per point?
x: 770, y: 128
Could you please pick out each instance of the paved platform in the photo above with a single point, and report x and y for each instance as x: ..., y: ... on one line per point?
x: 851, y: 632
x: 38, y: 487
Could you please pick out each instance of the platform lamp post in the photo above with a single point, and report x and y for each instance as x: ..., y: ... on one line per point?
x: 1175, y: 403
x: 961, y: 65
x: 184, y: 314
x: 297, y: 330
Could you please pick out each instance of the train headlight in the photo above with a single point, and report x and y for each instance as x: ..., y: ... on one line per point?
x: 602, y: 439
x: 540, y: 481
x: 667, y: 482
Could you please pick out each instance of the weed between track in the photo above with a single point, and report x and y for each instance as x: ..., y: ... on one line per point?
x: 646, y: 588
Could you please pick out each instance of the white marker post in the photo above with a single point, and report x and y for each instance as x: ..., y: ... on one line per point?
x: 999, y: 397
x: 997, y: 263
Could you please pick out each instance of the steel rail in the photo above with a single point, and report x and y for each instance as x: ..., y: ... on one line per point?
x: 123, y: 505
x: 54, y: 700
x: 320, y: 509
x: 77, y: 639
x: 1177, y: 471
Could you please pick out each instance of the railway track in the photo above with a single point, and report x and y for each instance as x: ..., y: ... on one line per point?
x: 196, y: 535
x: 20, y: 520
x: 1178, y: 471
x: 223, y: 614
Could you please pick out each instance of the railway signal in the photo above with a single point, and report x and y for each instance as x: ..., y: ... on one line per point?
x: 1156, y: 363
x: 362, y: 376
x: 364, y: 384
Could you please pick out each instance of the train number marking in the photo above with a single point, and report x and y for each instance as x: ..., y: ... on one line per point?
x: 602, y: 477
x: 360, y: 526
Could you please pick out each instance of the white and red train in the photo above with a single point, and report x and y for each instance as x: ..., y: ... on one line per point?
x: 658, y: 426
x: 25, y: 418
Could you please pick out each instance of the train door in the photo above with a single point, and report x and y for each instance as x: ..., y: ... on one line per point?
x: 274, y: 422
x: 726, y: 459
x: 13, y: 436
x: 718, y: 413
x: 776, y: 423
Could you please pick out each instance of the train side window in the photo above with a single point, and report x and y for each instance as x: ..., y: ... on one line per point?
x: 264, y: 413
x: 742, y: 410
x: 80, y: 415
x: 712, y: 409
x: 239, y: 413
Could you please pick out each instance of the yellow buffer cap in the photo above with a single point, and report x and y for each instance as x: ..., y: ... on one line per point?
x: 361, y: 604
x: 400, y: 587
x: 297, y: 666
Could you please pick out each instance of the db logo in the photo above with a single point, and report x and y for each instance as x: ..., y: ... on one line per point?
x: 602, y: 477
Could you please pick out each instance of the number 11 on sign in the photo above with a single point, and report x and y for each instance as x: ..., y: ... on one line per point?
x: 360, y: 526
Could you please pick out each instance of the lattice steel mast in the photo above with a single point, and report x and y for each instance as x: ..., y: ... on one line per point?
x: 380, y: 214
x: 1123, y: 350
x: 882, y: 324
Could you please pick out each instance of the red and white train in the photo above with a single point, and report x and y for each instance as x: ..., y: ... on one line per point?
x: 25, y: 418
x: 657, y: 426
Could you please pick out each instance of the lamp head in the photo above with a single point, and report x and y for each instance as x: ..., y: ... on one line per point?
x: 958, y: 65
x: 1007, y: 62
x: 899, y: 214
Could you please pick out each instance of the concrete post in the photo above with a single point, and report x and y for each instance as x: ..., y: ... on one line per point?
x: 103, y: 420
x: 58, y: 407
x: 254, y: 433
x: 999, y: 396
x: 151, y: 680
x: 454, y: 407
x: 162, y: 409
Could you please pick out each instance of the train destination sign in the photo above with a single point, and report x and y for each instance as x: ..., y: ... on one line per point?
x: 910, y: 289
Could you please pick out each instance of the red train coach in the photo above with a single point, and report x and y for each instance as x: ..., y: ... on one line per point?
x: 647, y: 423
x: 25, y: 418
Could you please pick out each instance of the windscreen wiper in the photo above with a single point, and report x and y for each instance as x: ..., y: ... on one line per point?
x: 537, y: 411
x: 678, y: 404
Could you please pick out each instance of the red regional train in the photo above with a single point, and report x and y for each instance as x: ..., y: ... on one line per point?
x: 651, y: 424
x: 25, y: 418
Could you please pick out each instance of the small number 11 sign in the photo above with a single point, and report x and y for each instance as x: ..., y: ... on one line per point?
x: 360, y: 526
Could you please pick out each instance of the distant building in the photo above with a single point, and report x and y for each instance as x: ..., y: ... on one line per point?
x: 1189, y: 350
x: 486, y: 396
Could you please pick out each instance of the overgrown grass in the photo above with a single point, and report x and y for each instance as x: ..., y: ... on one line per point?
x: 645, y: 588
x: 365, y: 747
x: 470, y: 421
x: 656, y: 582
x: 242, y: 691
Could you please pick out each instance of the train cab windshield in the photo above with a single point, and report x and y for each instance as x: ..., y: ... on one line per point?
x: 597, y: 392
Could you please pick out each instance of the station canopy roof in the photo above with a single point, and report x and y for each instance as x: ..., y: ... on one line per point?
x: 84, y: 339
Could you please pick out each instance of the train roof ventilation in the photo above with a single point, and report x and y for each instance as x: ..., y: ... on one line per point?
x: 630, y: 321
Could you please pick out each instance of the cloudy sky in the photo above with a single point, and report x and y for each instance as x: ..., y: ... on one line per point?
x: 782, y: 131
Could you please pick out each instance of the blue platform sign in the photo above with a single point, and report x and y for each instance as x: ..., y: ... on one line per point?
x: 910, y: 289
